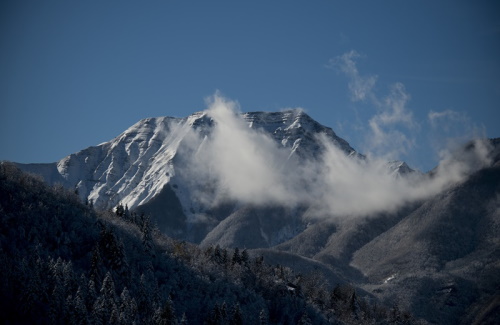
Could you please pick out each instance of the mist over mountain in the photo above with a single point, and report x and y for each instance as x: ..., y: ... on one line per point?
x: 289, y: 189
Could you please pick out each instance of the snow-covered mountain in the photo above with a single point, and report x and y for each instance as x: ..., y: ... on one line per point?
x: 135, y: 166
x: 141, y: 168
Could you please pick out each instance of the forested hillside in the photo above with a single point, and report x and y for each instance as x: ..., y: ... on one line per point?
x: 62, y: 262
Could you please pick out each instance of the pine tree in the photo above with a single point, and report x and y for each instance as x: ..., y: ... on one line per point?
x: 354, y: 305
x: 80, y: 309
x: 119, y: 210
x: 305, y: 320
x: 95, y: 265
x: 91, y: 294
x: 224, y: 258
x: 184, y: 320
x: 165, y: 315
x: 68, y: 313
x: 144, y: 303
x: 106, y: 302
x: 58, y: 292
x: 108, y: 289
x: 223, y: 310
x: 216, y: 317
x: 126, y: 213
x: 114, y: 318
x: 217, y: 255
x: 263, y: 318
x: 146, y: 235
x: 70, y: 282
x: 128, y: 308
x: 236, y: 256
x: 237, y: 317
x: 245, y: 257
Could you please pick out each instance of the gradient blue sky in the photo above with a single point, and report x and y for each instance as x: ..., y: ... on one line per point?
x: 416, y: 74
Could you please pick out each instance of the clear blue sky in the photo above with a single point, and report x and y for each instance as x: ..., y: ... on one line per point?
x: 77, y: 73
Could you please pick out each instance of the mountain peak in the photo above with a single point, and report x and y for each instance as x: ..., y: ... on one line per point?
x: 135, y: 166
x: 293, y: 128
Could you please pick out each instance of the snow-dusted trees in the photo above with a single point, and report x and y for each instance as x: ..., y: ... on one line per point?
x: 63, y: 262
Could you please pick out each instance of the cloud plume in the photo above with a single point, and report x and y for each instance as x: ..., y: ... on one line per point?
x: 244, y: 164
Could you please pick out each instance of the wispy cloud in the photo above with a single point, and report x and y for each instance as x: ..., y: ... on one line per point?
x: 360, y: 86
x: 450, y: 129
x: 392, y: 122
x: 438, y: 119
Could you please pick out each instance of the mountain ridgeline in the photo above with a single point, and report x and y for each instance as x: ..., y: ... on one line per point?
x: 288, y: 191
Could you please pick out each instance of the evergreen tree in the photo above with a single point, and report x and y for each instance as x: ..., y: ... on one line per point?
x: 144, y: 303
x: 236, y: 256
x: 184, y: 320
x: 114, y: 318
x: 165, y: 315
x: 354, y: 305
x: 58, y: 292
x: 223, y: 310
x: 69, y: 280
x: 237, y: 317
x: 263, y: 318
x: 126, y: 213
x: 80, y: 309
x: 224, y: 258
x: 106, y: 302
x: 128, y: 308
x: 95, y: 265
x: 305, y: 320
x: 146, y: 235
x: 68, y: 313
x: 108, y: 289
x: 215, y: 315
x: 119, y: 210
x: 91, y: 294
x: 245, y: 257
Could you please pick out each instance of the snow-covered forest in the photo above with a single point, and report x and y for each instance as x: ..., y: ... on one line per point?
x: 63, y: 262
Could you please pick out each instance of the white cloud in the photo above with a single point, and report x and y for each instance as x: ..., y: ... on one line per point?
x: 449, y: 129
x: 246, y: 165
x: 391, y: 126
x: 434, y: 117
x: 359, y: 86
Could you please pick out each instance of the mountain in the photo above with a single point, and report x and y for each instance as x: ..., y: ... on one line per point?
x: 427, y: 243
x: 142, y: 167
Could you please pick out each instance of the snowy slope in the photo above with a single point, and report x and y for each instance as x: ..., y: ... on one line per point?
x: 133, y: 167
